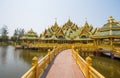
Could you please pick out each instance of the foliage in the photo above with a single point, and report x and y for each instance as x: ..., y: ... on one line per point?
x: 18, y: 33
x: 4, y: 32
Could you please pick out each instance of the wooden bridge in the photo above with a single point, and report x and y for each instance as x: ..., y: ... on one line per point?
x: 62, y: 63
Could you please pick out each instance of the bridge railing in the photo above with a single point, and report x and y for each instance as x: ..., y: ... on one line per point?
x: 85, y: 66
x: 38, y: 67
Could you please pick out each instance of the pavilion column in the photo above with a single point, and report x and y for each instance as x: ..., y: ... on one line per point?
x: 101, y: 41
x: 87, y: 41
x: 111, y: 48
x: 97, y: 43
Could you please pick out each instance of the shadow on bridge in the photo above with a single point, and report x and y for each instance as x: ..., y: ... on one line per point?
x: 48, y: 68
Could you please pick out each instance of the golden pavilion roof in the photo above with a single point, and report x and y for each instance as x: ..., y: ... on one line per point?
x: 69, y: 31
x: 53, y: 33
x: 30, y: 35
x: 86, y: 32
x: 111, y: 29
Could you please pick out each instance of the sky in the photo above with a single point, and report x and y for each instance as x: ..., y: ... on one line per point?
x: 41, y: 14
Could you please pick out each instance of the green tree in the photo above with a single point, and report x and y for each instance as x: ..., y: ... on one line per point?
x: 4, y: 33
x: 21, y: 33
x: 18, y: 33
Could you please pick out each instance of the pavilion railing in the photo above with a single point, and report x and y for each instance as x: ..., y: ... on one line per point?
x: 38, y: 67
x: 85, y: 66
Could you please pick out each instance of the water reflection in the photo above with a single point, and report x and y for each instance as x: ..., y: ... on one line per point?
x: 108, y: 67
x: 14, y: 63
x: 3, y: 54
x: 105, y: 65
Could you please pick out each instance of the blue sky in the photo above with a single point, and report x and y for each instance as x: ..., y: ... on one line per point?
x: 40, y: 14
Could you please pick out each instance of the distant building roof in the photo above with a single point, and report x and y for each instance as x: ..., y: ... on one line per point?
x: 30, y: 35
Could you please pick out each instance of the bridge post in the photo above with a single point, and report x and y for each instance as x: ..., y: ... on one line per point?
x: 76, y: 55
x: 35, y: 63
x: 54, y: 50
x: 72, y: 49
x: 89, y: 63
x: 49, y: 55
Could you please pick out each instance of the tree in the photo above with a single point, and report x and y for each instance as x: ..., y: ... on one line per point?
x: 21, y: 33
x: 4, y: 32
x: 18, y: 33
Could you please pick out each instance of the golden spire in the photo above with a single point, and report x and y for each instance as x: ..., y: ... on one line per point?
x: 55, y: 22
x: 55, y: 19
x: 85, y: 19
x: 86, y: 23
x: 69, y: 19
x: 111, y: 19
x: 31, y: 30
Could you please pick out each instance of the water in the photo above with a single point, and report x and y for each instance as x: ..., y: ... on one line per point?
x: 106, y: 66
x: 14, y: 63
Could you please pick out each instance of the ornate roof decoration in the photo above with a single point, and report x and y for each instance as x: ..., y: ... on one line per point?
x: 109, y: 30
x: 54, y: 33
x: 69, y: 31
x: 30, y: 35
x: 87, y: 30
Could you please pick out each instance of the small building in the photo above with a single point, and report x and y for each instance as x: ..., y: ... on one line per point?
x: 29, y: 37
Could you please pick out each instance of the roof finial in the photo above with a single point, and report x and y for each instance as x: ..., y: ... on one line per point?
x: 86, y: 20
x: 86, y: 23
x: 69, y: 17
x: 55, y: 19
x: 111, y: 19
x: 31, y: 29
x: 55, y: 24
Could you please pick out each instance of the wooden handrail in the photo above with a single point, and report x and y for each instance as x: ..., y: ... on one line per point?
x: 39, y: 66
x: 26, y: 75
x: 85, y: 66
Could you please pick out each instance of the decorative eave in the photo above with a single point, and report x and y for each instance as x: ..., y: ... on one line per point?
x: 106, y: 37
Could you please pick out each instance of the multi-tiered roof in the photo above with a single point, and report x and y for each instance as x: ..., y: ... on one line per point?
x: 30, y: 35
x: 53, y: 33
x: 109, y: 30
x: 69, y: 31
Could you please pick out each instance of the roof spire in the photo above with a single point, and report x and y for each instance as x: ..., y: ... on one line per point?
x: 69, y: 17
x: 86, y: 23
x: 55, y: 22
x: 111, y: 19
x: 31, y: 29
x: 55, y: 19
x: 86, y: 20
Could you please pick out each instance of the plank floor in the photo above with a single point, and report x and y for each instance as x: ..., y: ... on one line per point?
x: 64, y: 66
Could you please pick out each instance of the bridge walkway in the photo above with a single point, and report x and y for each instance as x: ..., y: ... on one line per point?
x: 63, y: 66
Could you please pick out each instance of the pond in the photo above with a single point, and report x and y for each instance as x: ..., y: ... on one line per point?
x: 110, y: 68
x: 15, y: 62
